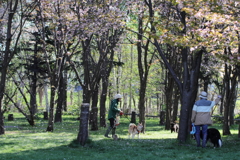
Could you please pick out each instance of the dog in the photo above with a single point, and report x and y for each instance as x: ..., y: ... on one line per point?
x: 134, y: 129
x: 115, y: 137
x: 174, y: 127
x: 214, y: 136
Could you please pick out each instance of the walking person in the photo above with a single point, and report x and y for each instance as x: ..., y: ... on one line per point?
x: 112, y: 113
x: 201, y: 116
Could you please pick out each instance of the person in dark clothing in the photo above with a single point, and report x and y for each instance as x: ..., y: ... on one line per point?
x: 112, y: 113
x: 201, y: 116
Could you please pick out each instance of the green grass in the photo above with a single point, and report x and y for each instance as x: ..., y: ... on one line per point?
x: 24, y: 142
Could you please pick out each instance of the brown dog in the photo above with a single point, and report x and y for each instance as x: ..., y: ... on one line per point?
x: 134, y: 129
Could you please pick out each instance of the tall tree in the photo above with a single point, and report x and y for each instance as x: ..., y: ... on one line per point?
x: 11, y: 39
x: 62, y: 96
x: 145, y: 58
x: 191, y: 58
x: 52, y: 21
x: 107, y: 44
x: 101, y: 18
x: 171, y: 90
x: 231, y: 76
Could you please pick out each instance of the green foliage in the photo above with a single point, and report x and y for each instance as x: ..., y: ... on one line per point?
x: 237, y: 106
x: 218, y: 119
x: 72, y: 110
x: 22, y: 141
x: 237, y: 116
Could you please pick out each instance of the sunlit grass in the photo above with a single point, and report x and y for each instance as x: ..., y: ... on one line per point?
x: 23, y: 142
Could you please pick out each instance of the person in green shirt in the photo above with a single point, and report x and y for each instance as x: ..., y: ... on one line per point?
x: 112, y: 114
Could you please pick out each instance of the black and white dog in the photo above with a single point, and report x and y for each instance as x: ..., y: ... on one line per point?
x: 214, y: 136
x: 174, y: 127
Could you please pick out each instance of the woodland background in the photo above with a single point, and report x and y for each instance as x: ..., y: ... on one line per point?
x: 158, y: 54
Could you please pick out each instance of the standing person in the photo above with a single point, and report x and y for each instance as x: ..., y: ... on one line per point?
x: 112, y: 112
x: 201, y: 116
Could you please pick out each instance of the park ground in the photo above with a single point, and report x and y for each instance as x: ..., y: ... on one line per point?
x: 23, y: 142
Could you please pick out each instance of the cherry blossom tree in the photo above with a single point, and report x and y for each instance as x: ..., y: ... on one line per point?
x: 99, y: 21
x: 195, y: 30
x: 145, y: 53
x: 74, y: 26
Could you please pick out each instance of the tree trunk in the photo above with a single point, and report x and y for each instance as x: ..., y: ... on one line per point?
x: 7, y: 56
x: 33, y: 85
x: 94, y: 111
x: 64, y: 90
x: 33, y: 93
x: 51, y: 110
x: 175, y: 105
x: 46, y: 96
x: 83, y: 126
x: 188, y: 88
x: 84, y: 115
x: 106, y: 47
x: 60, y: 100
x: 239, y: 130
x: 185, y: 113
x: 40, y: 95
x: 230, y: 96
x: 189, y: 91
x: 233, y: 102
x: 143, y: 69
x: 105, y: 72
x: 2, y: 88
x: 141, y: 106
x: 2, y: 131
x: 125, y: 100
x: 103, y: 102
x: 58, y: 114
x: 130, y: 82
x: 169, y: 100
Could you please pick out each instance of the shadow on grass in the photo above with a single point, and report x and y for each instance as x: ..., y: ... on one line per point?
x: 127, y: 149
x: 154, y: 144
x: 105, y: 149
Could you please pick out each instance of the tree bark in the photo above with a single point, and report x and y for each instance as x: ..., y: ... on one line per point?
x: 169, y: 100
x: 189, y: 91
x: 61, y: 98
x: 230, y: 84
x: 46, y: 96
x: 51, y: 110
x: 94, y: 111
x: 83, y: 126
x: 8, y: 55
x: 84, y: 115
x: 175, y: 103
x: 33, y: 93
x: 103, y: 101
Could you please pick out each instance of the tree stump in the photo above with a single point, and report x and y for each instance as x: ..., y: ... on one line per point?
x: 239, y: 130
x: 10, y: 117
x: 133, y: 117
x: 45, y: 115
x: 83, y: 128
x: 162, y: 118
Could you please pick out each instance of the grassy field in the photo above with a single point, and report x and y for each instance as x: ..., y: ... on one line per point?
x: 23, y: 142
